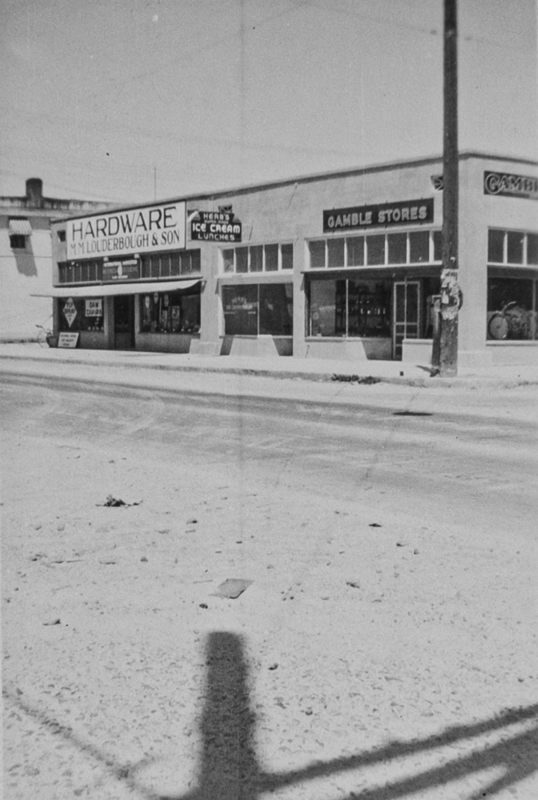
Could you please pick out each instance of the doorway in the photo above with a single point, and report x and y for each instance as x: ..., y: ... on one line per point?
x: 406, y: 315
x: 124, y: 328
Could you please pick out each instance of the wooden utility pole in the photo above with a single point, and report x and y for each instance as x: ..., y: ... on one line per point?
x: 447, y: 350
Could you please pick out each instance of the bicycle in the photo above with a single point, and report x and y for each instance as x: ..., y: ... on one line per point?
x: 45, y: 337
x: 511, y: 322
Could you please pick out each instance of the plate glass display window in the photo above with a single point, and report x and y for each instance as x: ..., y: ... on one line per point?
x: 170, y: 312
x: 258, y: 309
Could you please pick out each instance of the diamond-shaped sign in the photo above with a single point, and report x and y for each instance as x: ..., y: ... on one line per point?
x: 69, y: 311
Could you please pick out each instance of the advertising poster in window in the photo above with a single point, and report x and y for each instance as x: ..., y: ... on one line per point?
x: 69, y: 311
x: 94, y: 307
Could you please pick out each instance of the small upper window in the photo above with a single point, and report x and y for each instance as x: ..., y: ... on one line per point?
x: 19, y: 229
x: 17, y: 242
x: 61, y: 236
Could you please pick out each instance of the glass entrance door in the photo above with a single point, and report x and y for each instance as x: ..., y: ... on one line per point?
x: 406, y: 315
x: 124, y: 329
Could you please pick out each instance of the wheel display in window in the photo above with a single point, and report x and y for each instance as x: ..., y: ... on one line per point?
x: 499, y: 326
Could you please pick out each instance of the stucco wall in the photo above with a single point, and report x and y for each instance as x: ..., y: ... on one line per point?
x: 23, y: 273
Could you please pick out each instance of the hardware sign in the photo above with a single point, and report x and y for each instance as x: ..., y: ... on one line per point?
x: 137, y: 230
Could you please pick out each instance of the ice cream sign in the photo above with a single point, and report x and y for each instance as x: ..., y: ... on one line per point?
x: 215, y: 226
x: 137, y: 230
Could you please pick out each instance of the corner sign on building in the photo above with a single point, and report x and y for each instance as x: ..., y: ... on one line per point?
x: 407, y: 212
x: 215, y: 226
x: 509, y: 185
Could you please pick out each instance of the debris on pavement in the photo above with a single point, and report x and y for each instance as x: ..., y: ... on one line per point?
x: 232, y: 588
x: 353, y: 584
x: 369, y: 379
x: 112, y: 502
x: 55, y: 621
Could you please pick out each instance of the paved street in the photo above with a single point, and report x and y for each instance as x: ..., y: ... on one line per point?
x: 385, y: 648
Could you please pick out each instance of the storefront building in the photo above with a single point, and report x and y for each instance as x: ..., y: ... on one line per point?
x: 339, y: 266
x: 26, y: 257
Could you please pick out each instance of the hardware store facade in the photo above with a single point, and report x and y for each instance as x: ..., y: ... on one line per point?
x: 341, y: 266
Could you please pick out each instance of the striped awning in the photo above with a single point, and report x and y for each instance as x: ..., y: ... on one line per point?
x: 107, y: 289
x: 20, y: 227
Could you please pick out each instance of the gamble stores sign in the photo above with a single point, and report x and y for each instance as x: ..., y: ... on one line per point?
x: 137, y: 230
x: 408, y: 212
x: 508, y: 185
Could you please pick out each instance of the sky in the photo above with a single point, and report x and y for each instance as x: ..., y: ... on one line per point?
x: 137, y: 100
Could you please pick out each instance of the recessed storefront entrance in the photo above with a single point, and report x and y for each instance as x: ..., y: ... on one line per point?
x: 406, y: 314
x: 124, y: 322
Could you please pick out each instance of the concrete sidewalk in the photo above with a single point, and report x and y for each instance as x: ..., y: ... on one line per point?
x: 302, y: 369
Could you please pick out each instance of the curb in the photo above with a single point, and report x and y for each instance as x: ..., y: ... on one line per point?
x: 471, y: 382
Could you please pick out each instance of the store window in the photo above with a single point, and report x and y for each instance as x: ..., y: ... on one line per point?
x: 170, y: 265
x: 496, y: 246
x: 437, y: 246
x: 81, y: 314
x: 414, y: 247
x: 318, y: 254
x: 258, y: 309
x: 375, y: 250
x: 419, y: 246
x: 512, y: 247
x: 397, y: 248
x: 257, y: 258
x: 335, y: 248
x: 532, y: 249
x: 349, y: 307
x: 512, y: 311
x: 170, y: 312
x: 80, y: 272
x: 286, y: 256
x: 355, y: 251
x: 241, y: 259
x: 271, y: 257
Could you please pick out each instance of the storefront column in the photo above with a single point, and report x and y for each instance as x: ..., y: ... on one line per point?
x: 136, y: 318
x: 108, y: 322
x: 473, y: 272
x: 56, y: 315
x: 209, y: 343
x: 299, y: 300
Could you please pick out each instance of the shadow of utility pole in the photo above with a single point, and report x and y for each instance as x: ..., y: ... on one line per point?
x: 229, y: 768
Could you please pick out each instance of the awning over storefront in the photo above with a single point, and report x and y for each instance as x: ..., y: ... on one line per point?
x: 107, y: 289
x: 20, y: 227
